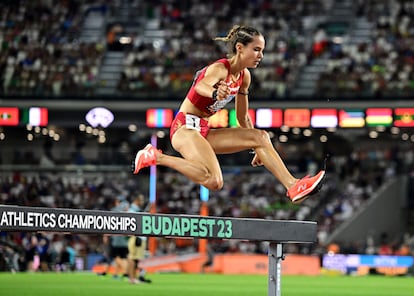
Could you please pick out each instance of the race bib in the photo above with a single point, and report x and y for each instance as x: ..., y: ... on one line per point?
x: 192, y: 122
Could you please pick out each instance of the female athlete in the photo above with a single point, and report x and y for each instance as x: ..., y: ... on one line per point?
x: 214, y: 86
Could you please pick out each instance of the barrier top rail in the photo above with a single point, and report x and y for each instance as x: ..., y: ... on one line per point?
x: 17, y: 218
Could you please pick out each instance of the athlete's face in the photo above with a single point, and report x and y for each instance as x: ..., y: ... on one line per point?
x: 252, y: 53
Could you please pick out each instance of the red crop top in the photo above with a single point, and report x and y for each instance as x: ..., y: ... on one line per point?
x: 207, y: 104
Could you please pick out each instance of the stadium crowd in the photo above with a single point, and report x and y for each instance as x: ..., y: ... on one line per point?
x: 43, y: 54
x: 381, y: 65
x: 187, y: 45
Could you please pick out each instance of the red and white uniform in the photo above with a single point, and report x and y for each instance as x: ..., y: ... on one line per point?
x: 207, y: 104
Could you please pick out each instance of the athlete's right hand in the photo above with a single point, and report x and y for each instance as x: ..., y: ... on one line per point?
x: 223, y: 90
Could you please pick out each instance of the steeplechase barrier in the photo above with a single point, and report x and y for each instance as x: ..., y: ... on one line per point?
x: 276, y: 232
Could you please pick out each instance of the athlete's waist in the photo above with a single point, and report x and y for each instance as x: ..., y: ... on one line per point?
x: 187, y: 107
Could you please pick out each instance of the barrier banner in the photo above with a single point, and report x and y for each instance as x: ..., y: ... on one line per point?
x: 15, y: 218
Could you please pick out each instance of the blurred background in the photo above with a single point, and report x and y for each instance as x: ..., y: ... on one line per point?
x: 85, y: 84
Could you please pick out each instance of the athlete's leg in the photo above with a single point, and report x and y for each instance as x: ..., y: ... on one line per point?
x: 238, y: 139
x: 199, y: 162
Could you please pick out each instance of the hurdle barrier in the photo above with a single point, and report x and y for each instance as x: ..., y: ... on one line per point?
x: 276, y: 232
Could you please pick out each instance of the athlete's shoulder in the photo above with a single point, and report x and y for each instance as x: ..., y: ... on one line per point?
x: 219, y: 67
x: 221, y: 63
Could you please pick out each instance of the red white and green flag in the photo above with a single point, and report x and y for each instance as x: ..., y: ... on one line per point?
x: 36, y: 116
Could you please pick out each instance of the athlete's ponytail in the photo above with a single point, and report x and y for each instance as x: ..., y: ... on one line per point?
x: 242, y: 34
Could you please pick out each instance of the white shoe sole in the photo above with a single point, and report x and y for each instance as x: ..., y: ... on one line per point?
x: 139, y: 153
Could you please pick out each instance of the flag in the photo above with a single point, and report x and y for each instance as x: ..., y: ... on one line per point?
x: 351, y: 118
x: 378, y: 116
x: 38, y: 116
x: 324, y: 118
x: 9, y: 116
x: 297, y: 117
x: 159, y: 117
x: 404, y: 117
x: 233, y: 117
x: 267, y: 117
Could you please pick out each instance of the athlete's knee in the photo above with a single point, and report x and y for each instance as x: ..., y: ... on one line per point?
x: 213, y: 183
x: 261, y: 137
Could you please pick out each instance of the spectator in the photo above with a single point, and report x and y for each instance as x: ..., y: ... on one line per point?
x: 137, y: 246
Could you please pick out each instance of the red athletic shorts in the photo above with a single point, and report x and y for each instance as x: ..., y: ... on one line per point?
x: 190, y: 122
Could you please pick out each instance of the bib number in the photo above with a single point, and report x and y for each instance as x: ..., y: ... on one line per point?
x: 192, y: 122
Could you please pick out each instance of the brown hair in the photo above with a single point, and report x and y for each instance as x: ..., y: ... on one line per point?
x: 242, y: 34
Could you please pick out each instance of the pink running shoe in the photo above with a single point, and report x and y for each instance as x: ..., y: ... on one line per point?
x: 145, y: 158
x: 305, y: 187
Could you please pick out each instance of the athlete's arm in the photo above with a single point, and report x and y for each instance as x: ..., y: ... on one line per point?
x: 242, y: 102
x: 242, y: 108
x: 214, y: 79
